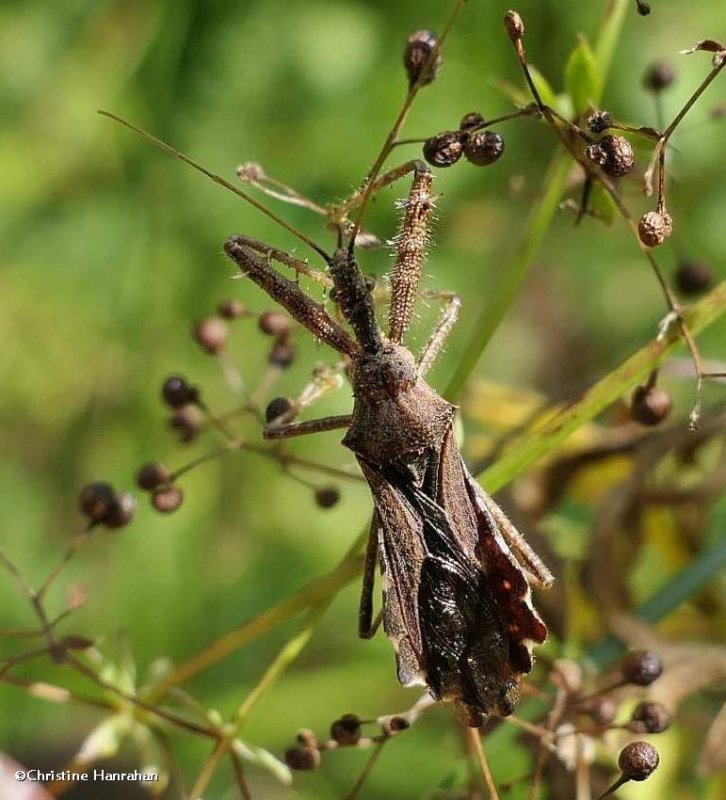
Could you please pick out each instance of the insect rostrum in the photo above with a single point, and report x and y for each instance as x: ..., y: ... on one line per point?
x: 457, y: 601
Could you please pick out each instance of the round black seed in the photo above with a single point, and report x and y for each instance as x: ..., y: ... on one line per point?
x: 638, y: 761
x: 659, y: 76
x: 694, y: 277
x: 614, y: 154
x: 599, y: 121
x: 483, y: 148
x: 96, y: 500
x: 280, y: 407
x: 651, y: 718
x: 177, y: 392
x: 151, y: 475
x: 650, y: 405
x: 327, y: 496
x: 346, y: 730
x: 471, y: 120
x: 444, y: 149
x: 302, y: 759
x: 282, y: 354
x: 642, y: 667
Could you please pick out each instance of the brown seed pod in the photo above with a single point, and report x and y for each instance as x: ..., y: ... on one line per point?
x: 650, y: 405
x: 211, y: 334
x: 282, y: 408
x: 274, y: 323
x: 655, y: 227
x: 614, y: 154
x: 599, y: 121
x: 642, y: 667
x: 346, y: 730
x: 694, y: 277
x: 122, y: 511
x: 152, y: 475
x: 231, y: 308
x: 638, y: 761
x: 471, y: 120
x: 514, y: 26
x: 483, y: 148
x: 444, y: 149
x: 327, y: 496
x: 167, y: 499
x: 650, y: 718
x: 96, y: 500
x: 416, y: 56
x: 302, y: 759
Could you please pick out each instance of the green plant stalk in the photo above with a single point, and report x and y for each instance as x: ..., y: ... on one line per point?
x: 543, y: 437
x: 539, y: 220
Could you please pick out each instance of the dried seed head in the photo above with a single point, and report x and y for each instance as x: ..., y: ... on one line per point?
x: 659, y: 76
x: 655, y: 227
x: 230, y: 308
x: 177, y: 392
x: 152, y: 475
x: 122, y: 511
x: 642, y: 667
x: 346, y: 730
x: 643, y: 8
x: 282, y: 354
x: 327, y: 496
x: 638, y: 761
x: 694, y: 277
x: 302, y: 759
x: 483, y: 148
x: 514, y: 26
x: 280, y: 407
x: 274, y: 323
x: 211, y: 334
x: 167, y: 499
x: 650, y: 405
x: 471, y: 120
x: 599, y: 121
x: 614, y: 154
x: 444, y: 149
x: 96, y: 500
x: 187, y: 421
x: 650, y: 718
x: 417, y: 55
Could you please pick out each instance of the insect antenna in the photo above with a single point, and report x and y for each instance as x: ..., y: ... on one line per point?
x: 167, y: 148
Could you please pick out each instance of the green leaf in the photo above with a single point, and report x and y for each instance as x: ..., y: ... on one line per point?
x: 582, y: 77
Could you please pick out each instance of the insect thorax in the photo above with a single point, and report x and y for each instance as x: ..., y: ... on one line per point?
x: 397, y: 415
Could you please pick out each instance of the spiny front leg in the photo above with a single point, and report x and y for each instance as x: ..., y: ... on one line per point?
x: 446, y: 321
x: 410, y: 245
x: 290, y: 296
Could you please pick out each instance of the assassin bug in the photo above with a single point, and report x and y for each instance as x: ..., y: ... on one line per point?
x: 456, y: 573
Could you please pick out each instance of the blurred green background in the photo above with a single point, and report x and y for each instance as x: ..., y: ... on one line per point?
x: 110, y: 250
